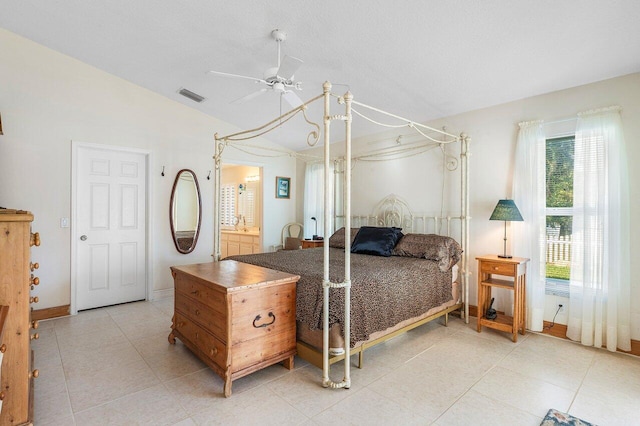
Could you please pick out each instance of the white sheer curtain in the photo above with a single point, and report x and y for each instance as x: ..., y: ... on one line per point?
x: 599, y: 301
x: 314, y: 199
x: 528, y: 236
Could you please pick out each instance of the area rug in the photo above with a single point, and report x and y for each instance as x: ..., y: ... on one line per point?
x: 558, y: 418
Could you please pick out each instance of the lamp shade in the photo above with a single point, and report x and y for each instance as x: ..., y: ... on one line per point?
x: 506, y: 210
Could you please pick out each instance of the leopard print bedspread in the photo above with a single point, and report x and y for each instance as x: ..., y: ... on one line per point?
x: 384, y: 290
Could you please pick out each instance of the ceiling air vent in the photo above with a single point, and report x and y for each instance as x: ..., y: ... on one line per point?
x: 189, y: 94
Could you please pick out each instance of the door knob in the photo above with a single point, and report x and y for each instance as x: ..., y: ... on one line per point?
x: 83, y: 238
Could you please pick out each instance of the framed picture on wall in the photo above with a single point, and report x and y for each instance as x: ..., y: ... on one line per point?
x: 283, y: 187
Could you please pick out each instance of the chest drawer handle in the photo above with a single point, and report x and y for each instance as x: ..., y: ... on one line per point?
x: 266, y: 324
x: 196, y: 292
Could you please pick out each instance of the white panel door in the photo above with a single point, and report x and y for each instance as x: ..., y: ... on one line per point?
x: 110, y: 227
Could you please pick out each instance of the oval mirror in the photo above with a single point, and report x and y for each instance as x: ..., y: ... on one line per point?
x: 185, y: 211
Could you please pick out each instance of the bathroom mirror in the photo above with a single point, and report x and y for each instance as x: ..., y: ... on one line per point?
x: 185, y: 211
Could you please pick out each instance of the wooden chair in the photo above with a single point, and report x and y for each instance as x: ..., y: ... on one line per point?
x: 292, y: 235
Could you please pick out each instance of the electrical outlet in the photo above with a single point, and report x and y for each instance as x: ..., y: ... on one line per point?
x: 560, y: 307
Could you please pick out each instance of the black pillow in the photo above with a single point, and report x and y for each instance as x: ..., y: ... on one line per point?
x: 376, y: 241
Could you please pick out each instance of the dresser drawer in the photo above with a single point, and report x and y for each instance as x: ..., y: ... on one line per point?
x: 261, y: 323
x: 255, y: 351
x: 246, y: 239
x: 191, y: 288
x: 250, y: 301
x: 213, y: 348
x: 3, y: 392
x: 498, y: 268
x: 211, y: 320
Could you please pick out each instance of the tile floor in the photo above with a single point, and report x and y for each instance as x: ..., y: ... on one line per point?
x: 114, y: 366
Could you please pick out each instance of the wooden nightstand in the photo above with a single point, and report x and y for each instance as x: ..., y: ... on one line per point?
x: 312, y: 243
x: 514, y: 268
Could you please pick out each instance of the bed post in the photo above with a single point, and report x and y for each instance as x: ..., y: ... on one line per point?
x: 327, y: 285
x: 348, y: 97
x: 326, y: 281
x: 216, y: 198
x: 464, y: 156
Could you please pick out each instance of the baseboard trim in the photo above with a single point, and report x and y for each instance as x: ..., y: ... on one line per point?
x: 48, y: 313
x: 162, y: 294
x: 555, y: 330
x: 560, y: 331
x: 473, y: 311
x: 635, y: 348
x: 65, y: 310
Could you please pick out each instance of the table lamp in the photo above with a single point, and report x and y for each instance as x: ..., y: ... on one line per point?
x: 508, y: 211
x: 315, y: 236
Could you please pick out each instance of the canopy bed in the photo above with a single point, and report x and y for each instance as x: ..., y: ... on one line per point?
x: 394, y: 287
x: 335, y: 310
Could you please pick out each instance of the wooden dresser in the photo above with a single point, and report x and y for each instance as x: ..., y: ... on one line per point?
x: 16, y: 280
x: 4, y: 310
x: 236, y: 317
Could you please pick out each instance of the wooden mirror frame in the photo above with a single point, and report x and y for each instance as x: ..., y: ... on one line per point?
x: 171, y: 210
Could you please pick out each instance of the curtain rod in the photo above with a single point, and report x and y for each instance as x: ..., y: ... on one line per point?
x: 562, y: 120
x: 591, y: 111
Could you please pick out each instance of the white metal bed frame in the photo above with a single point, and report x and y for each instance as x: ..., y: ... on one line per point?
x: 312, y: 138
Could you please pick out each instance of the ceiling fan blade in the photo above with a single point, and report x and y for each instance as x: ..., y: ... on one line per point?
x: 250, y: 96
x: 226, y: 74
x: 292, y: 98
x: 289, y: 66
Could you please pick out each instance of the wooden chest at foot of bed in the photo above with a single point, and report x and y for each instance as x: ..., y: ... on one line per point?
x: 236, y: 317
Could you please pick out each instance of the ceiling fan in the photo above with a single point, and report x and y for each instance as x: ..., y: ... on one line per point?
x: 278, y: 79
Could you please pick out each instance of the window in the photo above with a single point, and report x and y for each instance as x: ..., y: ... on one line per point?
x: 314, y: 199
x: 576, y: 187
x: 247, y: 203
x: 559, y: 165
x: 227, y: 205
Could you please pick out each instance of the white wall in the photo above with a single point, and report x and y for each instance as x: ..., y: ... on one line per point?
x: 48, y: 99
x: 493, y: 132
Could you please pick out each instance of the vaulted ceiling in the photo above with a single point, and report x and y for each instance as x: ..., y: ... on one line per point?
x: 422, y: 59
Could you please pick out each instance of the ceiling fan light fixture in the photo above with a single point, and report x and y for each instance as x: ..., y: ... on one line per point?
x: 278, y: 86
